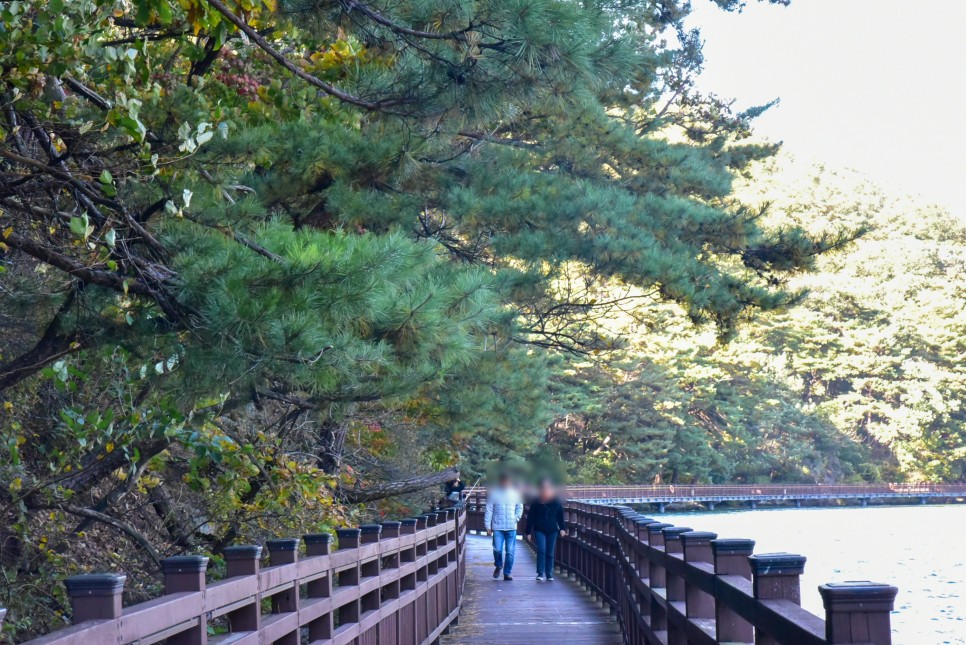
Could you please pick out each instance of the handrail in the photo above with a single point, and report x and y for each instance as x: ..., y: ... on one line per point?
x: 398, y: 582
x: 675, y: 586
x: 750, y: 492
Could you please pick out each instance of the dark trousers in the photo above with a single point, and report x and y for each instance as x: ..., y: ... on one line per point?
x: 545, y: 543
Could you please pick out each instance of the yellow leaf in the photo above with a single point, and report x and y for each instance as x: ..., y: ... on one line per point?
x: 8, y: 406
x: 292, y: 465
x: 7, y: 232
x: 109, y: 447
x: 16, y: 485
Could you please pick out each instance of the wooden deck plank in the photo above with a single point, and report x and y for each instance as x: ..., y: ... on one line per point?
x: 524, y: 611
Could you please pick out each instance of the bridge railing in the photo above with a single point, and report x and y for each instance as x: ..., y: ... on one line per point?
x: 391, y: 583
x: 756, y: 491
x: 748, y: 491
x: 671, y: 585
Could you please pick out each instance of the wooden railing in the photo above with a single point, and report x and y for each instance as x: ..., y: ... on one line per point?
x: 675, y: 586
x: 748, y: 492
x: 751, y: 491
x: 391, y: 583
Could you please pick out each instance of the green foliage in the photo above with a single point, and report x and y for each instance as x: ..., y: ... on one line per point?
x: 863, y: 380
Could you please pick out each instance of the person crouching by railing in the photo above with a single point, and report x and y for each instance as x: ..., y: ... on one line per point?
x: 454, y: 490
x: 545, y: 521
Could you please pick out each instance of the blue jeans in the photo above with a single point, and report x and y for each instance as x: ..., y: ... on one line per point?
x: 504, y: 540
x: 545, y: 544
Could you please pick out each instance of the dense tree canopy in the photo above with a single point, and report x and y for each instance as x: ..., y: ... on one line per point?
x: 864, y: 380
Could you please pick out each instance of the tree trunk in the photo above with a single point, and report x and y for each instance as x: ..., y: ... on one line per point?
x: 392, y: 489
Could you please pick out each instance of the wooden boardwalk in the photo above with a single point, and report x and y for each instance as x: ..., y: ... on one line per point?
x: 524, y: 611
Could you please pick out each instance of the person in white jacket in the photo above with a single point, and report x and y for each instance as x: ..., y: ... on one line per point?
x: 504, y: 508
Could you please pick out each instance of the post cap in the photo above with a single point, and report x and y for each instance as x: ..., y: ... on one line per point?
x: 657, y: 527
x: 674, y: 532
x: 391, y: 525
x: 317, y: 538
x: 95, y: 584
x: 777, y: 564
x: 732, y: 546
x: 283, y: 544
x: 409, y: 521
x: 243, y: 552
x: 643, y: 521
x: 370, y: 529
x: 858, y: 595
x: 184, y: 564
x: 348, y: 533
x: 698, y: 537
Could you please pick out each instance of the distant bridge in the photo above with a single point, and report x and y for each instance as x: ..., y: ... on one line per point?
x: 753, y: 494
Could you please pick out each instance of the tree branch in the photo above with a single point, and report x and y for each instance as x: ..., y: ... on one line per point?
x: 292, y: 67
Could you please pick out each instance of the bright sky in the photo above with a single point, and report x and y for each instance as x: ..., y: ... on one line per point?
x: 874, y: 85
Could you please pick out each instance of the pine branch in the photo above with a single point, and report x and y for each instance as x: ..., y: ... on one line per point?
x: 378, y: 18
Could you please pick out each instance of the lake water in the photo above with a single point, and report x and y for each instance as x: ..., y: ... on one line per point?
x: 919, y: 549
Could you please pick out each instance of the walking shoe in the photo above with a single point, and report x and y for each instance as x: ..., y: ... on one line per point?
x: 539, y: 577
x: 507, y: 577
x: 549, y: 578
x: 496, y: 572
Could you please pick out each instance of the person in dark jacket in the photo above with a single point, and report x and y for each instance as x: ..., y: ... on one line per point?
x: 545, y: 521
x: 454, y: 489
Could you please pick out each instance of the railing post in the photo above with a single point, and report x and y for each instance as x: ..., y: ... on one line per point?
x: 349, y: 539
x: 186, y: 573
x: 244, y: 561
x: 370, y: 534
x: 674, y: 583
x: 390, y: 531
x: 776, y: 576
x: 317, y: 544
x: 280, y: 552
x: 95, y: 596
x: 697, y: 549
x: 408, y: 554
x: 656, y: 575
x: 858, y: 612
x: 731, y: 559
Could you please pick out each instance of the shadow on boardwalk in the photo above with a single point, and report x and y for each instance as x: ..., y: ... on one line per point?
x: 524, y: 611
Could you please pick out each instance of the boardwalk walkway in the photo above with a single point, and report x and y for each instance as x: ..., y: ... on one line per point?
x: 524, y: 612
